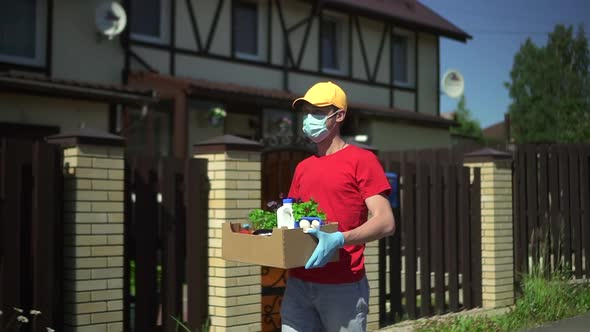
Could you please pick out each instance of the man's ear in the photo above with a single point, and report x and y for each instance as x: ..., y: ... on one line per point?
x: 341, y: 116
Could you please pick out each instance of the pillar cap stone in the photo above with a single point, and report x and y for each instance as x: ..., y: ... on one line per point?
x: 486, y: 155
x: 86, y: 136
x: 226, y: 143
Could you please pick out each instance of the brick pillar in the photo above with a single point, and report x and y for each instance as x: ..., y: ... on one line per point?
x: 372, y: 269
x: 496, y: 227
x: 234, y: 171
x: 93, y: 230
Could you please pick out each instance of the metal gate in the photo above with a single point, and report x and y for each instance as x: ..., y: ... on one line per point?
x: 278, y: 166
x: 166, y: 204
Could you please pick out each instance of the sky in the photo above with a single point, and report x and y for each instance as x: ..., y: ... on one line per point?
x: 498, y: 27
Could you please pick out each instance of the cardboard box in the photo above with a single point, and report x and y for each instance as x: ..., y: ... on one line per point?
x: 285, y: 248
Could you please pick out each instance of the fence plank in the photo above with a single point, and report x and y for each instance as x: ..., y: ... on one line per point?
x: 145, y: 229
x: 410, y: 243
x: 564, y: 204
x: 475, y: 225
x: 542, y: 155
x: 451, y: 248
x: 521, y: 221
x: 422, y: 208
x: 554, y: 205
x: 585, y: 204
x: 173, y: 229
x: 574, y: 181
x: 13, y: 219
x: 46, y: 235
x: 531, y: 201
x: 395, y: 282
x: 465, y: 237
x: 436, y: 213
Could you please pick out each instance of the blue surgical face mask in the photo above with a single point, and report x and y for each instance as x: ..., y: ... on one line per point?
x: 314, y: 126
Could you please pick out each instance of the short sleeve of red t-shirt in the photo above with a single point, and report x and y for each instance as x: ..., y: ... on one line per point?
x: 340, y: 183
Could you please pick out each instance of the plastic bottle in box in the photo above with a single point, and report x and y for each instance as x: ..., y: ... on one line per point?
x: 285, y: 214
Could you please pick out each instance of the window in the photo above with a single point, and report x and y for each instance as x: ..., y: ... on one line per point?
x: 245, y: 29
x: 23, y: 31
x: 330, y: 45
x: 150, y: 20
x: 403, y: 62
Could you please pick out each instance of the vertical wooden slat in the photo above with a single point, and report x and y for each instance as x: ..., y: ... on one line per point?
x: 554, y: 206
x: 395, y: 259
x: 3, y: 231
x: 522, y: 223
x: 532, y: 196
x: 384, y: 315
x: 544, y: 176
x: 465, y: 237
x: 12, y: 220
x: 171, y: 226
x: 475, y: 225
x: 450, y: 201
x: 574, y: 181
x: 436, y: 213
x: 145, y: 226
x: 45, y: 213
x: 422, y: 208
x: 408, y: 172
x: 564, y: 205
x: 585, y: 205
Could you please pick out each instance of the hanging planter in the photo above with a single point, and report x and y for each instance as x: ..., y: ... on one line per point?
x: 217, y: 116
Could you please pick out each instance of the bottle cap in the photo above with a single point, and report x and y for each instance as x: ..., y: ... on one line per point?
x: 287, y: 200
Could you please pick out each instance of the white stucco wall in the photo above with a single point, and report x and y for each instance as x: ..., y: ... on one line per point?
x: 77, y: 54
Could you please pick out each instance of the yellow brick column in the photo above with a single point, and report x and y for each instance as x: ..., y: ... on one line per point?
x: 496, y: 226
x: 93, y: 230
x: 372, y: 270
x: 234, y: 171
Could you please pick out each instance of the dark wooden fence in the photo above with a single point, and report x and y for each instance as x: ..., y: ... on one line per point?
x: 432, y: 264
x: 166, y: 224
x: 31, y: 200
x: 551, y: 192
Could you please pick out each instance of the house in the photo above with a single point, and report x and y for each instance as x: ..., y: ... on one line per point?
x: 244, y: 59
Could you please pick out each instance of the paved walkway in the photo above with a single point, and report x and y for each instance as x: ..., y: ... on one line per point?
x: 578, y: 323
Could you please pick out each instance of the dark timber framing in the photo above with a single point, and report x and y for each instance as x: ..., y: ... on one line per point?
x: 292, y: 63
x: 416, y: 71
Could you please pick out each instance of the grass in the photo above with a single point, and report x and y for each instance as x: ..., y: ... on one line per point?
x: 544, y: 299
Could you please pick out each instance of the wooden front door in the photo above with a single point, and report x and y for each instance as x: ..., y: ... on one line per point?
x: 278, y: 166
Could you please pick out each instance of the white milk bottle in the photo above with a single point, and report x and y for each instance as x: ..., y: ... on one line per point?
x: 285, y: 214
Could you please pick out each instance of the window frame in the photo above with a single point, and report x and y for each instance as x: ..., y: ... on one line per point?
x: 41, y: 19
x: 340, y: 41
x: 410, y: 65
x: 260, y: 30
x: 165, y: 19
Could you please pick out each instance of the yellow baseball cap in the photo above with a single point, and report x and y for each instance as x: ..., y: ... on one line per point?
x: 324, y: 94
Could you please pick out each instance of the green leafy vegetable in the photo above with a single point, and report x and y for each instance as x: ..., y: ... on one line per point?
x: 307, y: 209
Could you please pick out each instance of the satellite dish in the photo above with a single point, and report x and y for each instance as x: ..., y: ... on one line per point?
x: 453, y: 83
x: 110, y: 19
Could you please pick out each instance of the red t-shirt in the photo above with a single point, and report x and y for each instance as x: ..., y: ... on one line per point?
x: 340, y: 183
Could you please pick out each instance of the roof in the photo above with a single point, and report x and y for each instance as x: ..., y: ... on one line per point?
x: 497, y: 130
x: 43, y: 85
x: 407, y: 13
x: 263, y: 96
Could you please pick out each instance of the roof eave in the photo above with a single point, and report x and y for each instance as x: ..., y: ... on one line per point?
x: 53, y: 89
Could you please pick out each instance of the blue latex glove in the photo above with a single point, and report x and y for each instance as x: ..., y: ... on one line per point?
x: 328, y: 242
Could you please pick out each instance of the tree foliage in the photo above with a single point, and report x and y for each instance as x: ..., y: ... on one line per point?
x: 550, y: 89
x: 467, y: 125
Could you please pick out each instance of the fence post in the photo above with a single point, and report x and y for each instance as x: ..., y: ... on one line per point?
x: 234, y: 171
x: 497, y: 226
x: 93, y: 230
